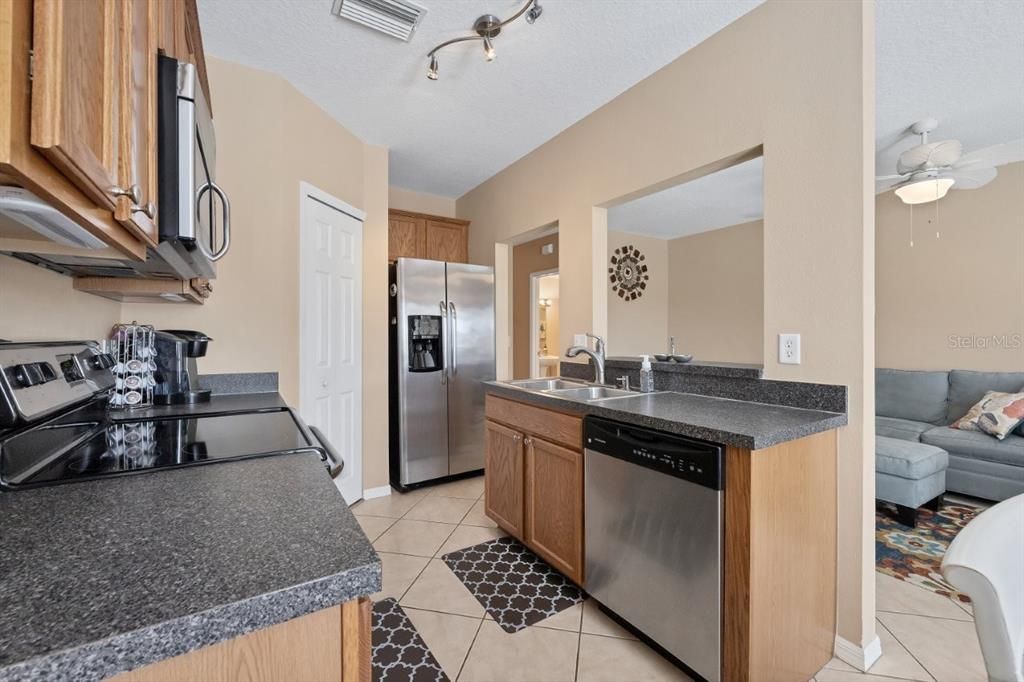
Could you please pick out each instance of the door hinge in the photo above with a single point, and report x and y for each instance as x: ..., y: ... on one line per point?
x: 31, y: 64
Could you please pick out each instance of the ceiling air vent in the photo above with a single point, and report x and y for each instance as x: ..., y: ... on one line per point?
x: 397, y: 18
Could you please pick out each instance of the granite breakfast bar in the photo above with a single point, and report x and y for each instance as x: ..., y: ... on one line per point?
x: 115, y: 575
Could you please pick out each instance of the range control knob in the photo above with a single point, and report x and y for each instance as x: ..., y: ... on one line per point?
x: 101, y: 361
x: 32, y: 374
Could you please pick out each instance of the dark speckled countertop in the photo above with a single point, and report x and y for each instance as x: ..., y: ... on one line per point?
x: 105, y: 576
x: 738, y: 423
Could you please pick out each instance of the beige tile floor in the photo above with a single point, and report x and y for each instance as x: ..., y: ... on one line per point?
x: 581, y: 644
x: 925, y: 637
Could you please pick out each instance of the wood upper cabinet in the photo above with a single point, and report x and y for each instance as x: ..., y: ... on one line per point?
x: 76, y: 91
x: 447, y: 241
x: 554, y: 505
x: 417, y: 235
x: 503, y: 483
x: 407, y: 236
x: 137, y: 168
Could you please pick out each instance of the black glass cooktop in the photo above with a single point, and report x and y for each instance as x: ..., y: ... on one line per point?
x: 87, y: 444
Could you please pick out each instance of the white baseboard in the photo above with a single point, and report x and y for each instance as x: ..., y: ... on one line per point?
x: 860, y: 658
x: 381, y: 491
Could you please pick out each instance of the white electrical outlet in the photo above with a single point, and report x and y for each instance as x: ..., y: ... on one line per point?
x: 789, y: 349
x: 579, y: 339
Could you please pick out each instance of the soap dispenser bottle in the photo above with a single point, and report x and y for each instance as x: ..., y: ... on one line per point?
x: 646, y: 375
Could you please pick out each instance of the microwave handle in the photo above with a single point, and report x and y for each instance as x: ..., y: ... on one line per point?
x: 210, y: 186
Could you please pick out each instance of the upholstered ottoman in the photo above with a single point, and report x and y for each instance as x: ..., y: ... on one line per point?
x: 910, y: 475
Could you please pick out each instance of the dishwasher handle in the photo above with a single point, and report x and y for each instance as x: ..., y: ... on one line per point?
x: 335, y: 464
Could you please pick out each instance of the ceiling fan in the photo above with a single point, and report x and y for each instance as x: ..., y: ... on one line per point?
x: 927, y: 171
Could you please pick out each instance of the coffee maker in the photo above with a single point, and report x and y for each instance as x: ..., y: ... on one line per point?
x: 177, y: 376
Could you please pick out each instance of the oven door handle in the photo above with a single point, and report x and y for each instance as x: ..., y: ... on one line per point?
x: 335, y: 464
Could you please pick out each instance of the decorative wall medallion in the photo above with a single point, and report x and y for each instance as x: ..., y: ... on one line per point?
x: 628, y: 273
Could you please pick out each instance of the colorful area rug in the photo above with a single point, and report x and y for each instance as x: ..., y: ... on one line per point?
x: 515, y: 586
x: 399, y: 653
x: 915, y: 554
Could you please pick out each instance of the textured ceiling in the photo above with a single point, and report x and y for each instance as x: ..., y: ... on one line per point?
x: 448, y: 136
x: 959, y: 61
x: 728, y: 197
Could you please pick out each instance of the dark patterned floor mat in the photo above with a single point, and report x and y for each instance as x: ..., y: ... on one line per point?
x: 514, y: 585
x: 399, y: 653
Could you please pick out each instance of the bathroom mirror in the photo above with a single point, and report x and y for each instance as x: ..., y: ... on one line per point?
x: 687, y: 262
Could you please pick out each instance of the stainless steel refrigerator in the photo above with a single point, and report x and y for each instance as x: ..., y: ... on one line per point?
x: 442, y: 349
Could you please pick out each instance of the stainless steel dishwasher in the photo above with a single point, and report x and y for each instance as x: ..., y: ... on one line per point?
x: 654, y: 537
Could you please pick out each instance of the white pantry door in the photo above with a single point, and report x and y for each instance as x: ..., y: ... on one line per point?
x: 331, y: 324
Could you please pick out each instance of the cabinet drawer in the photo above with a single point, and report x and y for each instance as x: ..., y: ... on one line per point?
x: 557, y: 427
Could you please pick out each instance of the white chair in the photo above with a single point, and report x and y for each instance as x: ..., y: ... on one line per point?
x: 986, y: 562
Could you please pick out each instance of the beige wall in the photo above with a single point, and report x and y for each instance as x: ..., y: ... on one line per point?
x: 745, y: 87
x: 269, y: 139
x: 716, y: 294
x: 420, y: 202
x: 967, y: 284
x: 640, y: 327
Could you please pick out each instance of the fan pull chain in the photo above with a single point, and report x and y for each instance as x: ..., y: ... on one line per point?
x: 937, y: 212
x: 911, y: 226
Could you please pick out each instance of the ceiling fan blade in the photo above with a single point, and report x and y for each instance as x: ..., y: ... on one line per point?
x: 931, y: 155
x: 888, y: 177
x: 972, y: 178
x: 885, y: 183
x: 996, y: 155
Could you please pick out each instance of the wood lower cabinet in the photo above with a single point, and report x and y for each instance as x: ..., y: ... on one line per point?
x: 503, y: 484
x: 418, y: 235
x: 332, y: 645
x: 533, y: 483
x: 554, y: 505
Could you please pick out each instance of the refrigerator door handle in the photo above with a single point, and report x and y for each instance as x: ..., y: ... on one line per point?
x: 445, y: 343
x: 453, y: 328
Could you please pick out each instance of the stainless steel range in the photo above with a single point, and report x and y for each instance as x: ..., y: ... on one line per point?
x: 55, y: 426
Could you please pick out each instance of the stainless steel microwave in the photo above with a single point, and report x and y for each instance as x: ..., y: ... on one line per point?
x: 192, y: 205
x: 194, y: 215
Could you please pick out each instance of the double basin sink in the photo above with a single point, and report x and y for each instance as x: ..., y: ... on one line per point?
x: 572, y: 390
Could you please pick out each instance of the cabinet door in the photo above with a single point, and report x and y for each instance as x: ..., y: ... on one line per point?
x: 407, y: 237
x: 554, y: 505
x: 76, y: 91
x: 137, y: 157
x: 447, y: 242
x: 503, y: 484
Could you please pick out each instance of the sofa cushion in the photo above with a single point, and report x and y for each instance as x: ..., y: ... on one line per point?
x: 966, y: 388
x: 904, y: 429
x: 918, y: 396
x: 977, y: 445
x: 904, y: 459
x: 997, y: 414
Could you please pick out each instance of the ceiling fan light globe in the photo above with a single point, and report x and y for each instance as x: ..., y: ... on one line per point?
x: 923, y: 191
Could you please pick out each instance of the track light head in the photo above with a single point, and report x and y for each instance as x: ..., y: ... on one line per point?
x: 534, y: 13
x: 488, y: 49
x: 432, y: 71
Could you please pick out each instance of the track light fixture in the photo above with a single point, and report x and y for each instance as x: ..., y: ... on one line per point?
x: 486, y: 28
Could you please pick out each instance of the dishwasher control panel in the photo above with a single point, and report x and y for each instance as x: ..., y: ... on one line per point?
x: 693, y: 460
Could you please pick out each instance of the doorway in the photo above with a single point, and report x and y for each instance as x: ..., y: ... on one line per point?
x: 330, y: 328
x: 544, y: 352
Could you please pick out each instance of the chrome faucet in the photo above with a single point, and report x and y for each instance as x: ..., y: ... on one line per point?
x: 597, y: 355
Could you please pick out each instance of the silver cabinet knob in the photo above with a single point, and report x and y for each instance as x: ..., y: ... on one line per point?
x: 148, y: 209
x: 134, y: 193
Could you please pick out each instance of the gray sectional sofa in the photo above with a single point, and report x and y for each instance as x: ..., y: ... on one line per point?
x: 919, y: 407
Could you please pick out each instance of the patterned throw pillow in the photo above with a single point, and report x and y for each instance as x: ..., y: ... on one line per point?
x: 997, y: 414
